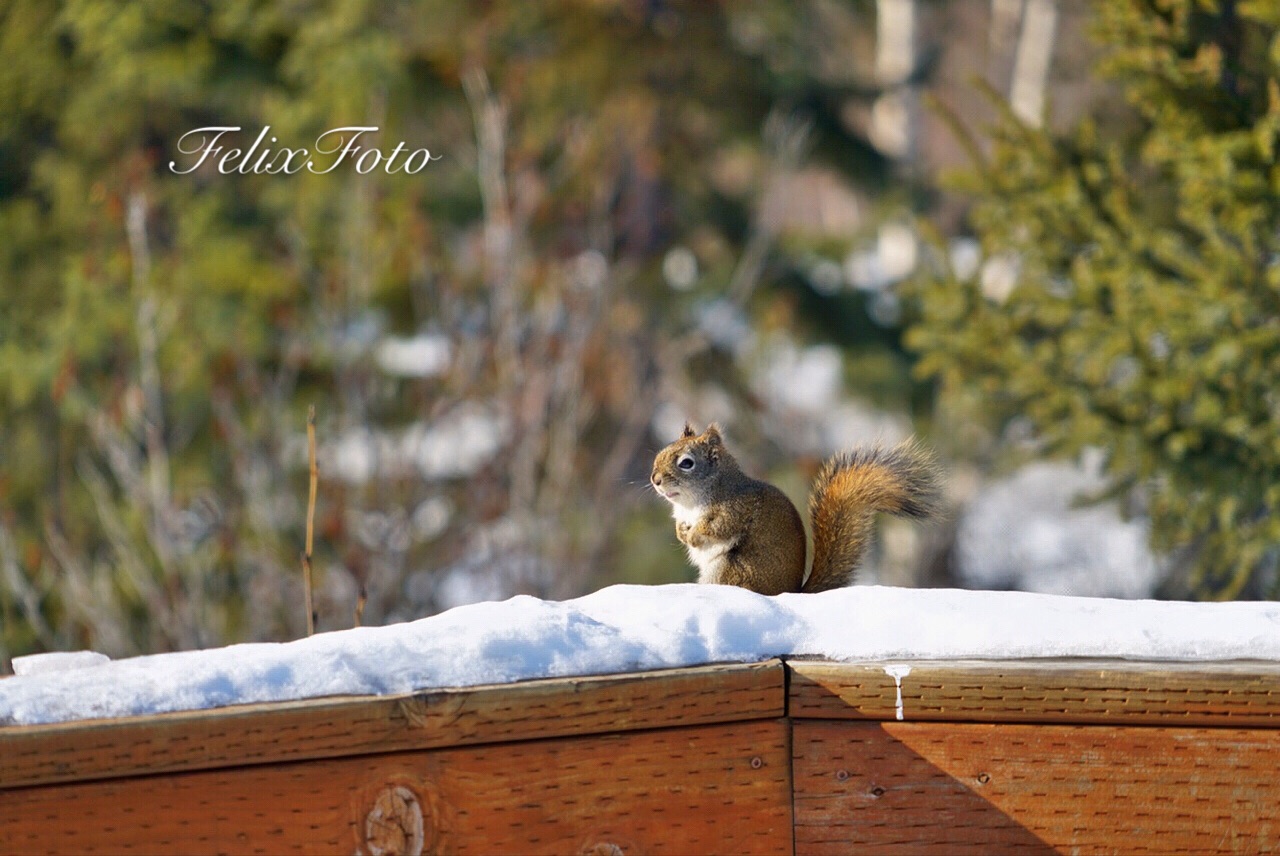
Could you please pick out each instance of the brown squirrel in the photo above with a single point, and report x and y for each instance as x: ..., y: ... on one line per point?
x: 744, y: 532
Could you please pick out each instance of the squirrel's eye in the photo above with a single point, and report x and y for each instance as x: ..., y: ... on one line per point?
x: 685, y: 463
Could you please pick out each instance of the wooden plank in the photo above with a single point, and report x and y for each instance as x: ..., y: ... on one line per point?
x: 718, y: 788
x: 1231, y: 694
x: 950, y: 788
x: 336, y: 727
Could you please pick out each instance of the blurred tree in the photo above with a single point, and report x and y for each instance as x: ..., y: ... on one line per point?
x: 486, y: 342
x: 1130, y: 297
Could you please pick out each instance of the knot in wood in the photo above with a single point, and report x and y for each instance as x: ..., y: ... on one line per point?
x: 395, y: 826
x: 602, y: 848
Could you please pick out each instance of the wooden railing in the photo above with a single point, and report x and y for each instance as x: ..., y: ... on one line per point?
x: 801, y: 757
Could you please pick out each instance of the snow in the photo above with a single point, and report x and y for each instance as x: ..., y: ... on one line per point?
x: 423, y: 355
x: 806, y: 380
x: 58, y: 661
x: 1030, y: 532
x: 892, y: 259
x: 453, y: 446
x: 628, y: 628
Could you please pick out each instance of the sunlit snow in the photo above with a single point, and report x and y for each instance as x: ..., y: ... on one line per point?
x: 629, y: 628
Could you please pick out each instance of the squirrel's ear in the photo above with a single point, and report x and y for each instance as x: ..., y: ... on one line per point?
x: 714, y: 442
x: 688, y: 431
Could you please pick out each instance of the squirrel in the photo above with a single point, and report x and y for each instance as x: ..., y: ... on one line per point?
x: 744, y: 532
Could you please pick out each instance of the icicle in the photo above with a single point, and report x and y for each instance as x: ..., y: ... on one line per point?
x: 898, y: 673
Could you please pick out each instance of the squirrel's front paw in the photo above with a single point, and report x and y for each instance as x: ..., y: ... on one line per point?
x: 682, y: 532
x: 694, y: 538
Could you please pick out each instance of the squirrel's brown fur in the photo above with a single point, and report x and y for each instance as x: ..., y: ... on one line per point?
x: 745, y: 532
x: 849, y: 490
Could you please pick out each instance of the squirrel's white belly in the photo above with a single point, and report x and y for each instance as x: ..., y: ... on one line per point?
x: 710, y: 560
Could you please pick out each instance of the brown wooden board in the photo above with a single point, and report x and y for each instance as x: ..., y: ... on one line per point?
x: 706, y: 789
x: 336, y: 727
x: 954, y: 788
x: 1231, y: 694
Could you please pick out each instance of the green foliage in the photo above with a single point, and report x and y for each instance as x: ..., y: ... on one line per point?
x: 1146, y: 314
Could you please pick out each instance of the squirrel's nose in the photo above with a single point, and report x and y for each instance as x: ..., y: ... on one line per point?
x: 656, y: 479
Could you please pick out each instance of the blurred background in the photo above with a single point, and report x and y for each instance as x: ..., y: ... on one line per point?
x: 1040, y: 234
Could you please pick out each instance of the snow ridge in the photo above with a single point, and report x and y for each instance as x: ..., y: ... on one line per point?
x: 629, y: 628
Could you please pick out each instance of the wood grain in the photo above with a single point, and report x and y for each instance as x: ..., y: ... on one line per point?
x: 952, y: 788
x: 1231, y: 694
x: 706, y: 789
x: 337, y: 727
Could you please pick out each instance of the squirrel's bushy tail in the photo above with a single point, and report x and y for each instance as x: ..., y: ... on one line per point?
x: 851, y: 488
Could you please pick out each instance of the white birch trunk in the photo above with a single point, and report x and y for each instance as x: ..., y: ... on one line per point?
x: 893, y: 116
x: 1032, y: 60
